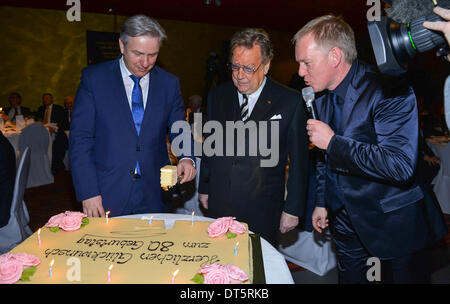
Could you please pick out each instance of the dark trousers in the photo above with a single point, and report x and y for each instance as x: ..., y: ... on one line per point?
x: 138, y: 203
x: 352, y: 259
x: 59, y: 148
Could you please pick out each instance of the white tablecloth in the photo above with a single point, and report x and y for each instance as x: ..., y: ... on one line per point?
x: 442, y: 180
x: 275, y: 267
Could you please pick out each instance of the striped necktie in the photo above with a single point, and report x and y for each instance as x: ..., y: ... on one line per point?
x: 244, y: 107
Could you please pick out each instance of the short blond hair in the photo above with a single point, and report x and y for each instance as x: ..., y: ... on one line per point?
x: 330, y: 31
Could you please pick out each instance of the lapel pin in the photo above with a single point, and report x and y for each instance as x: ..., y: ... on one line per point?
x: 269, y: 102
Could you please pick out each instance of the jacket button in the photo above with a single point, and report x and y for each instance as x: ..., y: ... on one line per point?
x: 138, y: 149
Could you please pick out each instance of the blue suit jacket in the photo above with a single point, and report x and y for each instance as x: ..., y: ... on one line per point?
x: 104, y: 144
x: 375, y: 154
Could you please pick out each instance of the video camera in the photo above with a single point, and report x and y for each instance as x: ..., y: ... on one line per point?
x: 394, y: 43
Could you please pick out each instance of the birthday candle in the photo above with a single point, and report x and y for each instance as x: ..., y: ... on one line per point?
x: 235, y: 248
x: 174, y: 274
x: 107, y: 218
x: 192, y: 220
x: 150, y: 221
x: 109, y: 272
x: 39, y: 237
x: 50, y: 272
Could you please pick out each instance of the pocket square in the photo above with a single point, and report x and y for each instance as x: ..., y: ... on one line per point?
x: 278, y: 116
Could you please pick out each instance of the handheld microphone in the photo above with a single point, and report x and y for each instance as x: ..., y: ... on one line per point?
x: 308, y: 96
x: 447, y: 101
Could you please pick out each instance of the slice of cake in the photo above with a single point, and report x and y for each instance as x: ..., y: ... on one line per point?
x: 168, y: 177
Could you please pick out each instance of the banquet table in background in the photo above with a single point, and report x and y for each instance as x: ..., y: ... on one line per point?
x: 275, y: 267
x: 12, y: 134
x: 441, y: 148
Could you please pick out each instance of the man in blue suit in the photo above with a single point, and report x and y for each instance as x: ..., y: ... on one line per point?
x: 123, y: 111
x: 369, y: 131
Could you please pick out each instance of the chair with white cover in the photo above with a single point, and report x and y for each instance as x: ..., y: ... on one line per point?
x: 442, y: 180
x: 17, y: 228
x: 37, y: 138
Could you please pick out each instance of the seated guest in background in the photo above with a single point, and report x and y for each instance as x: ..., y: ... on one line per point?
x: 52, y: 113
x: 240, y: 186
x: 16, y: 109
x: 68, y: 107
x: 7, y: 176
x: 369, y: 130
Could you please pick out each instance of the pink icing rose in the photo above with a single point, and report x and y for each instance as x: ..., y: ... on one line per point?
x: 210, y: 267
x: 6, y: 257
x: 216, y: 276
x: 237, y: 227
x: 219, y: 227
x: 236, y: 274
x: 71, y: 223
x: 10, y: 271
x: 55, y: 220
x: 28, y: 260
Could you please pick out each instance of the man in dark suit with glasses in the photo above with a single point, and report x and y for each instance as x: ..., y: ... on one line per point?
x: 240, y: 186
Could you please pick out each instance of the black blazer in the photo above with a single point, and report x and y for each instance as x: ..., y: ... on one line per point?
x: 7, y: 176
x: 239, y: 186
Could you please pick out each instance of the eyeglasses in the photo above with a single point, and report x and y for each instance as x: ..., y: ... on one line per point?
x: 247, y: 70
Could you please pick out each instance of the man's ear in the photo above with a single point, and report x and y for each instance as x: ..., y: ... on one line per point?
x: 267, y: 67
x: 335, y: 56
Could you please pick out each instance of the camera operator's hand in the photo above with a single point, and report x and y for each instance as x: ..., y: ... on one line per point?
x: 442, y: 26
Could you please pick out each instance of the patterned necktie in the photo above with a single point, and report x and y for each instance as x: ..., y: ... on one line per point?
x: 137, y: 103
x: 337, y: 111
x: 137, y: 108
x: 244, y: 107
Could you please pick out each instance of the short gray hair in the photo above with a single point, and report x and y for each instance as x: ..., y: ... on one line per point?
x: 251, y: 36
x: 330, y: 31
x: 141, y: 25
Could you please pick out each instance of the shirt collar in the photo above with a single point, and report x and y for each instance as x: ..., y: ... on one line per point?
x: 341, y: 89
x: 125, y: 72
